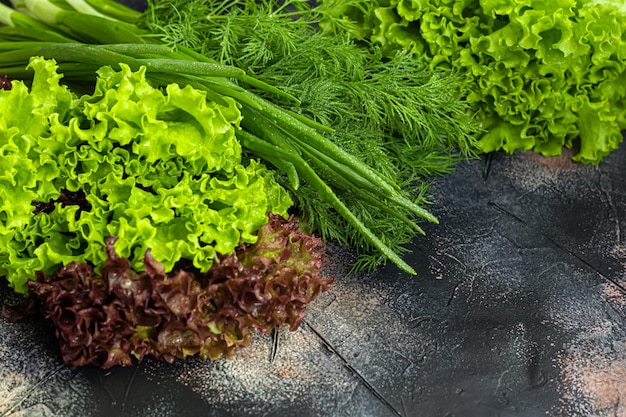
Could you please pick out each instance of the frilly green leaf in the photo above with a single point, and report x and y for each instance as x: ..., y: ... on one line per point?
x: 545, y: 74
x: 160, y: 169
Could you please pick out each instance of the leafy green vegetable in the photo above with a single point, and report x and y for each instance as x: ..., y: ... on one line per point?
x: 119, y: 315
x: 159, y: 169
x: 397, y: 116
x: 544, y: 73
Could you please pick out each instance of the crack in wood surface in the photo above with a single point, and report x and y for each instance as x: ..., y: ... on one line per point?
x: 108, y: 392
x: 275, y: 344
x: 488, y: 159
x: 32, y: 390
x: 502, y: 209
x: 127, y: 391
x: 352, y: 369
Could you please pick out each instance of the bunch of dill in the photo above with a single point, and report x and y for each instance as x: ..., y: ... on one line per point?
x: 406, y: 121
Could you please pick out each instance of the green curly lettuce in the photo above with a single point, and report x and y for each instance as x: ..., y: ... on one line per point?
x: 544, y: 74
x: 161, y: 169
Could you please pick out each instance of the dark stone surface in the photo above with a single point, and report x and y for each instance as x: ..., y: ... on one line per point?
x: 518, y: 310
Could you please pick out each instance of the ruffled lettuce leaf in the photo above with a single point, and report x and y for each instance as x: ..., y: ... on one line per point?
x: 160, y: 169
x: 544, y: 74
x: 118, y: 315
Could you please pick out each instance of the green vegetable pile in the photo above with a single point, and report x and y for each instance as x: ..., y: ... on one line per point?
x: 160, y: 170
x: 544, y: 74
x: 163, y: 172
x: 394, y: 114
x: 355, y: 137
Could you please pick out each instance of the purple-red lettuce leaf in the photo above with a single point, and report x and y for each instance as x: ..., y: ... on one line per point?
x: 118, y: 315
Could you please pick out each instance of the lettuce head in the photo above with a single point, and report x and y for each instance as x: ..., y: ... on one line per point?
x: 159, y: 169
x: 543, y: 74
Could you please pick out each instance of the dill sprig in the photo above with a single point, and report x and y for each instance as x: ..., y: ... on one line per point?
x: 398, y: 116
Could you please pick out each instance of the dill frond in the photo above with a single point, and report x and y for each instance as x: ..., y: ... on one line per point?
x: 397, y: 115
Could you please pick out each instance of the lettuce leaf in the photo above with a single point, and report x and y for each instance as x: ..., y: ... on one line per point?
x: 544, y: 74
x: 118, y: 315
x: 159, y: 169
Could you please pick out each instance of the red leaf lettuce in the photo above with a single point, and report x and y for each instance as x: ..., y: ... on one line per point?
x: 119, y: 315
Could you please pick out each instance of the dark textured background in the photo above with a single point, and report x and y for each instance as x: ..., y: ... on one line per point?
x: 518, y: 310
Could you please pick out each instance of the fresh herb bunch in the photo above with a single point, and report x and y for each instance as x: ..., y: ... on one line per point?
x: 395, y: 114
